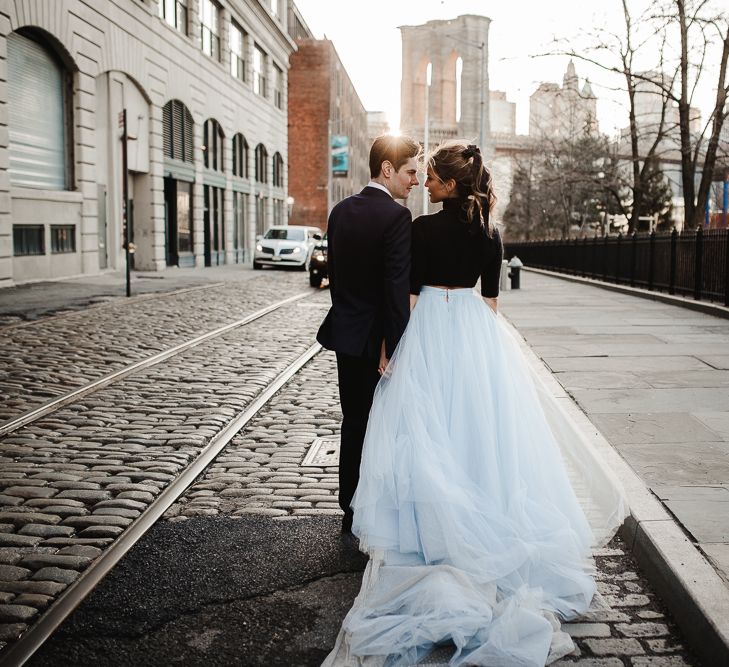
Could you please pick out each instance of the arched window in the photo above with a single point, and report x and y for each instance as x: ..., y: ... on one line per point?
x: 261, y: 164
x: 278, y: 170
x: 240, y: 156
x: 213, y: 139
x: 40, y: 142
x: 177, y: 129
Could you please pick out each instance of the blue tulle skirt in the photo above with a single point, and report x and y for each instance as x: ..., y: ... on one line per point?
x: 465, y: 502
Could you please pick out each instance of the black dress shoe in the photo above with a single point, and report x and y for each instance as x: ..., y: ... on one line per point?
x: 347, y: 522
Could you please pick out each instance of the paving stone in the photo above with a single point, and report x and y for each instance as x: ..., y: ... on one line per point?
x: 21, y: 518
x: 45, y: 531
x: 55, y: 560
x: 631, y: 600
x: 101, y: 531
x: 11, y: 631
x: 55, y: 502
x: 99, y: 542
x: 587, y: 629
x: 6, y: 597
x: 16, y: 613
x: 33, y: 600
x: 615, y: 646
x: 642, y: 629
x: 13, y: 540
x: 126, y: 503
x: 12, y: 573
x: 139, y: 496
x: 86, y: 495
x: 39, y: 587
x: 58, y: 574
x: 9, y: 500
x: 116, y: 511
x: 80, y: 550
x: 64, y: 511
x: 664, y: 645
x: 96, y: 520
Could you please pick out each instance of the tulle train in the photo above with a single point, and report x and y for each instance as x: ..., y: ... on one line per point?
x: 466, y: 502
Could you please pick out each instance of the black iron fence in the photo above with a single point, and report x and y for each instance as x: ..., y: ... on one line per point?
x: 690, y: 263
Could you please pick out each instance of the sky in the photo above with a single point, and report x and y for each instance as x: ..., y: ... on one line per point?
x: 367, y: 39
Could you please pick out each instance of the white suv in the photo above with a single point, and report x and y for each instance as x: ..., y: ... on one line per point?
x: 286, y: 245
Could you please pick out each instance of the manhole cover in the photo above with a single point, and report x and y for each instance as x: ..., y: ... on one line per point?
x: 324, y: 452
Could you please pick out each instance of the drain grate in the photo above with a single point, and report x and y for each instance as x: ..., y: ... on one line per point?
x: 324, y: 452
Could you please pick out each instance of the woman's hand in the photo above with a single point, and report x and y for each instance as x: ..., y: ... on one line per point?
x: 413, y: 301
x: 382, y: 366
x: 491, y: 303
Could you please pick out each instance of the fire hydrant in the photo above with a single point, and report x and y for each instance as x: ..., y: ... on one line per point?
x: 515, y: 265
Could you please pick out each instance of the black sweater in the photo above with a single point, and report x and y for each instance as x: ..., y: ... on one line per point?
x: 448, y: 250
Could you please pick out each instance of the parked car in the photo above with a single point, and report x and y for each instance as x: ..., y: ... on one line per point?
x: 286, y: 245
x: 318, y: 263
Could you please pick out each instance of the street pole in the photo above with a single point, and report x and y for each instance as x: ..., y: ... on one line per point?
x: 482, y: 119
x: 125, y: 198
x: 426, y: 130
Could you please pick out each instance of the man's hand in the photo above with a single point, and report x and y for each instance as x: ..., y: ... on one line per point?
x: 383, y: 359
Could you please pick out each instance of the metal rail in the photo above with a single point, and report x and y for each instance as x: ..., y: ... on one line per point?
x: 17, y: 654
x: 55, y: 404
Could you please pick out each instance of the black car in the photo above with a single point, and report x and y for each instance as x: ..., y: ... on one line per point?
x: 318, y: 263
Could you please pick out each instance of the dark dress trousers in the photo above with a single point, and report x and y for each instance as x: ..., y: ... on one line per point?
x: 368, y: 259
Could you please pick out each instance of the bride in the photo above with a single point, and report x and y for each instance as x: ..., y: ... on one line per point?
x: 478, y: 500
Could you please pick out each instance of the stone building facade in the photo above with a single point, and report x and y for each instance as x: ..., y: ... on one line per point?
x: 328, y: 133
x: 457, y: 97
x: 204, y: 85
x: 563, y: 112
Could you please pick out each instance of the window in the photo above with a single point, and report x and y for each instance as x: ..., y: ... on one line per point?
x: 209, y: 37
x: 177, y: 131
x: 240, y: 156
x: 237, y: 51
x: 261, y: 164
x: 278, y: 86
x: 28, y: 240
x: 213, y: 145
x: 38, y: 116
x: 278, y: 168
x: 63, y: 238
x: 275, y: 7
x: 259, y: 71
x: 289, y: 234
x: 174, y: 12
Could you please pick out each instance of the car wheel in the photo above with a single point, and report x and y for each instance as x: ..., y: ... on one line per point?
x: 256, y: 266
x: 315, y: 280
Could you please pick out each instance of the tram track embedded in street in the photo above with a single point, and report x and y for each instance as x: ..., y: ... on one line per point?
x: 19, y: 652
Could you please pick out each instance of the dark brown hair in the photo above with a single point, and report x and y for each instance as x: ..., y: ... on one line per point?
x: 464, y: 164
x: 396, y: 150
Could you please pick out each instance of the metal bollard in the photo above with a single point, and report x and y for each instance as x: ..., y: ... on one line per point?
x: 504, y: 276
x: 515, y: 265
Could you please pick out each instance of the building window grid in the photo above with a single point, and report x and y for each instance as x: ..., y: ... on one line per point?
x: 174, y: 12
x: 238, y: 42
x: 177, y: 131
x: 213, y: 140
x: 209, y: 14
x: 278, y: 169
x: 28, y: 240
x: 240, y: 156
x: 63, y: 239
x: 261, y: 164
x: 259, y: 71
x: 278, y: 86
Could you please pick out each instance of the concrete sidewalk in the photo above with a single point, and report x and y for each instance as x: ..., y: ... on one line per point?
x: 654, y: 379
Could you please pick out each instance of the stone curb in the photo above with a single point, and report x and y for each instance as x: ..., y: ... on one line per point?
x: 701, y: 306
x: 686, y: 582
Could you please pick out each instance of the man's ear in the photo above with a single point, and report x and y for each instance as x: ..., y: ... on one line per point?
x: 387, y: 169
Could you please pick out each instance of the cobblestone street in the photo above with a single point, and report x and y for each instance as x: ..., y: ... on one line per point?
x: 75, y: 480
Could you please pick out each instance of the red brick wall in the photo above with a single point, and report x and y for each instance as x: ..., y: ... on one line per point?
x: 309, y: 91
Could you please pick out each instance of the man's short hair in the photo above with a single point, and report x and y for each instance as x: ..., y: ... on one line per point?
x: 396, y: 150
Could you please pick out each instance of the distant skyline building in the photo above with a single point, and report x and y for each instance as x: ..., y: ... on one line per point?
x: 562, y: 112
x: 502, y: 113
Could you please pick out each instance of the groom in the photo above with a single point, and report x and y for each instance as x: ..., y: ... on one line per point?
x: 368, y: 259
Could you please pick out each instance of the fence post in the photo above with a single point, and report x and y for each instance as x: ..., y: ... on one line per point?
x: 617, y: 257
x: 633, y: 259
x: 672, y: 274
x: 584, y: 257
x: 651, y: 254
x: 605, y: 259
x: 699, y: 245
x: 726, y: 269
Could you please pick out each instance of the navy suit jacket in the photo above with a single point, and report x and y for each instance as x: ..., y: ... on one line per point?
x: 368, y: 257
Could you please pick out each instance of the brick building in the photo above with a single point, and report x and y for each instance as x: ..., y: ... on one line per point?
x: 204, y: 84
x: 328, y: 135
